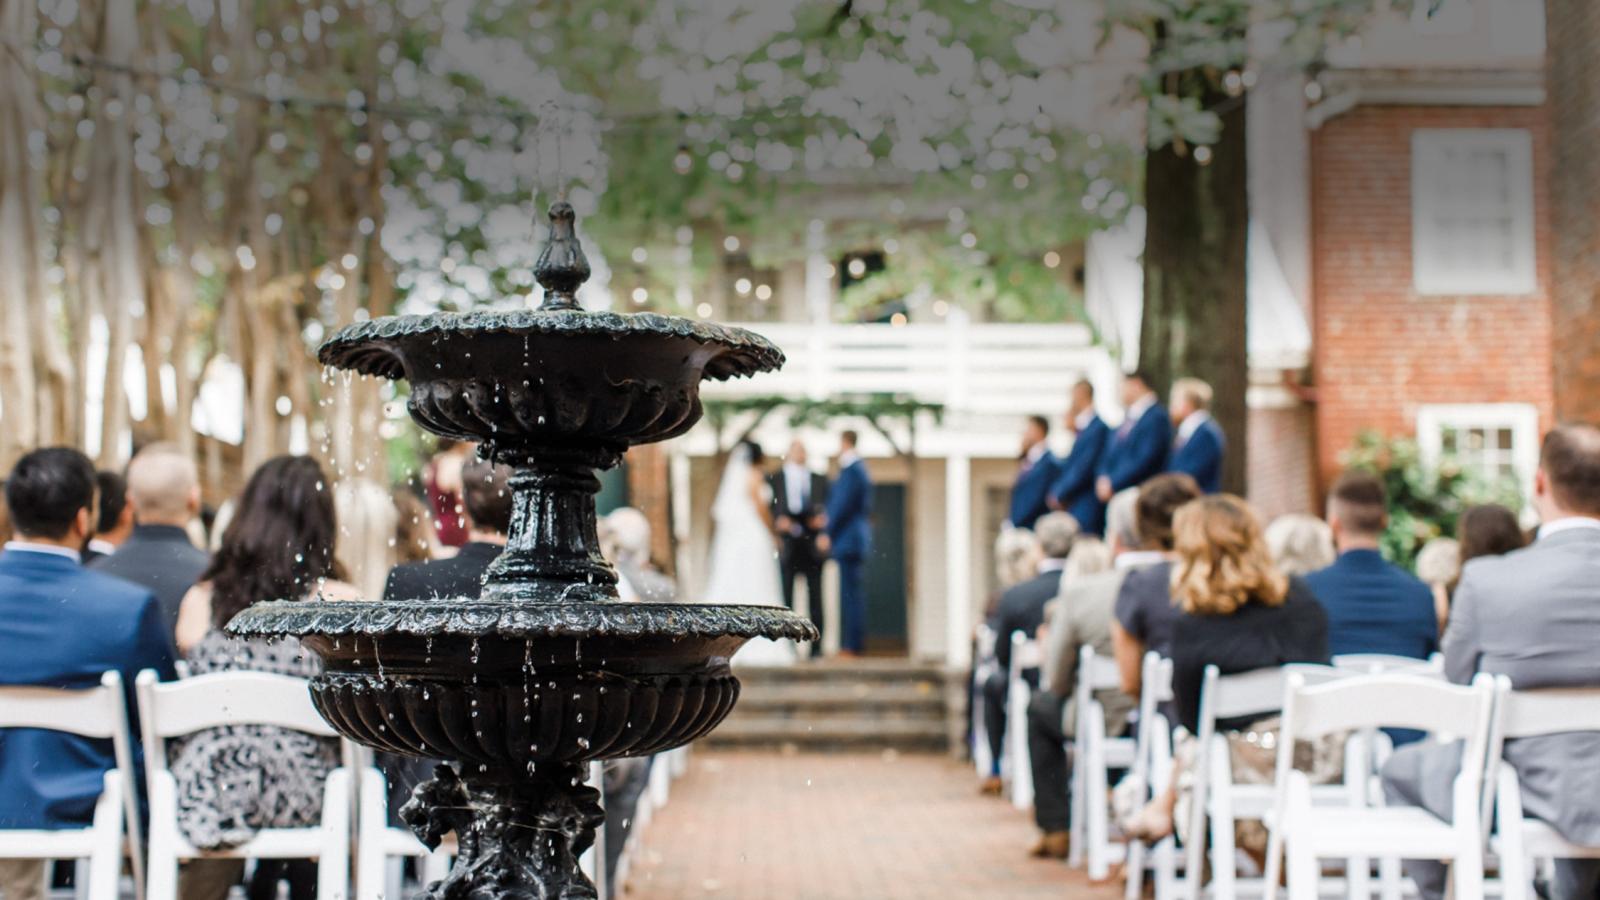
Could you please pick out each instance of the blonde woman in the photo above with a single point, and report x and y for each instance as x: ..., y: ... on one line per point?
x: 1239, y: 613
x: 1300, y: 544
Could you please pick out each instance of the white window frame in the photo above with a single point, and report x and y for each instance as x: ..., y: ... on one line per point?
x: 1521, y: 418
x: 1427, y: 149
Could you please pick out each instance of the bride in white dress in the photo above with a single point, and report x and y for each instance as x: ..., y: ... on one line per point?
x: 744, y: 554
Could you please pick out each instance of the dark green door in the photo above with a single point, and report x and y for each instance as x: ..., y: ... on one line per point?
x: 886, y: 571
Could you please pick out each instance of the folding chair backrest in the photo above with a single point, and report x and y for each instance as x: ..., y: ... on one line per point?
x: 1549, y: 711
x: 1374, y: 663
x: 1025, y: 652
x: 1258, y: 692
x: 176, y: 708
x: 95, y: 712
x: 1392, y: 700
x: 1096, y: 672
x: 985, y: 642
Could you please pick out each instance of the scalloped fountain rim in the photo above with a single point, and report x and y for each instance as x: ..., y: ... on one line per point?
x: 470, y: 617
x: 361, y: 346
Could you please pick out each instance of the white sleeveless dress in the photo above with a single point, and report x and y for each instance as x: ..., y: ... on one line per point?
x: 744, y: 561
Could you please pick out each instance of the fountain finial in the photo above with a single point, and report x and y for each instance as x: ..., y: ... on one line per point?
x: 562, y: 267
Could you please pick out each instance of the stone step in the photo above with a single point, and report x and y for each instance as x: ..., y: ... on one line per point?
x: 909, y: 700
x: 825, y: 733
x: 859, y: 670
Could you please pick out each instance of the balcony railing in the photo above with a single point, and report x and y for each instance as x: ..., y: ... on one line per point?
x: 974, y: 370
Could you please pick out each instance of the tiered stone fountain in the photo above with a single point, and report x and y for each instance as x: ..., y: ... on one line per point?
x: 521, y: 686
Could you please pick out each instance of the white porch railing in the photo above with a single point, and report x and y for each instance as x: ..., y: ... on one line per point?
x: 974, y: 370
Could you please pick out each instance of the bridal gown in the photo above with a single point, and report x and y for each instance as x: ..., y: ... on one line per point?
x: 744, y: 560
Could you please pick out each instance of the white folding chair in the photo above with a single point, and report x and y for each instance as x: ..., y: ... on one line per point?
x: 1094, y: 753
x: 1025, y: 654
x: 1217, y: 798
x: 194, y: 704
x: 1152, y: 771
x: 1377, y: 663
x: 99, y: 712
x: 380, y: 847
x: 1519, y: 839
x: 983, y: 666
x: 1357, y: 831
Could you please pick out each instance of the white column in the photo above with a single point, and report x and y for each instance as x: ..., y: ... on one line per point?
x: 958, y: 559
x: 819, y: 287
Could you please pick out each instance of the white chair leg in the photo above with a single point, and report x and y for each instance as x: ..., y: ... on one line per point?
x: 1390, y: 886
x: 1077, y: 853
x: 1358, y: 878
x: 1133, y: 871
x: 1097, y: 824
x: 333, y: 867
x: 394, y: 878
x: 1303, y: 872
x: 1224, y: 856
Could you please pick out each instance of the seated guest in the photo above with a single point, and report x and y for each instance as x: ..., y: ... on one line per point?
x: 1487, y: 529
x: 62, y: 626
x: 1073, y: 491
x: 1199, y: 444
x: 1145, y: 612
x: 1079, y: 617
x: 1239, y: 613
x: 1530, y: 615
x: 1373, y: 606
x: 164, y: 494
x: 1020, y: 610
x: 1300, y: 544
x: 1036, y: 473
x: 1439, y: 567
x: 1138, y: 448
x: 236, y: 780
x: 631, y: 533
x: 486, y: 509
x: 113, y: 518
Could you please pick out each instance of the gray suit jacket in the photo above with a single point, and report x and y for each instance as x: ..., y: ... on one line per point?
x: 1081, y: 617
x: 1534, y: 616
x: 161, y: 558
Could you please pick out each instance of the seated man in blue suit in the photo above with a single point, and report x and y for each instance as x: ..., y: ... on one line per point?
x: 1373, y: 606
x: 849, y: 529
x: 1138, y: 448
x: 1073, y: 491
x: 1198, y: 447
x: 1036, y: 472
x: 62, y: 626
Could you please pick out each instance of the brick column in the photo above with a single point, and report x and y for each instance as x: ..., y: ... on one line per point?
x: 1573, y: 85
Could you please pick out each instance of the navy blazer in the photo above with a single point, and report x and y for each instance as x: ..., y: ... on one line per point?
x: 850, y: 512
x: 64, y: 626
x: 1139, y: 453
x: 1201, y: 456
x: 1375, y: 607
x: 1074, y: 485
x: 1031, y: 493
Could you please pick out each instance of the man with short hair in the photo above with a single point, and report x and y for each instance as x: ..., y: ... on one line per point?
x: 849, y: 533
x: 164, y: 497
x: 1020, y: 611
x: 799, y: 504
x: 1080, y: 617
x: 62, y: 626
x: 1144, y: 613
x: 1373, y: 606
x: 1533, y: 616
x: 1037, y: 469
x: 1138, y: 448
x: 1073, y: 490
x: 486, y: 508
x: 113, y: 516
x: 1199, y: 445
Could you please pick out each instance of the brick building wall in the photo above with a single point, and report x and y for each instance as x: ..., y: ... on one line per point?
x: 1282, y: 450
x: 1573, y: 88
x: 1381, y: 350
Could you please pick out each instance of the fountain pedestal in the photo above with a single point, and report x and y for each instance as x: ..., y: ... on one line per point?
x: 546, y: 669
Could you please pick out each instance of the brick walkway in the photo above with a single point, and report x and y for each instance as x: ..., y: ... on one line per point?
x: 842, y: 827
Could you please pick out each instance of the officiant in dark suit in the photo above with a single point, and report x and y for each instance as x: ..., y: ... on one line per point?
x: 799, y: 506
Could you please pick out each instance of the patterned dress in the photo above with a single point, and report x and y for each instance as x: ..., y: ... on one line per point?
x: 236, y: 780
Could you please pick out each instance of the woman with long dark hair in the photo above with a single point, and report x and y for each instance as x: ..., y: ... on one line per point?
x: 236, y: 780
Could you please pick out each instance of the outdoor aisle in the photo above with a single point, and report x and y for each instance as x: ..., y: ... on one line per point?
x: 841, y: 827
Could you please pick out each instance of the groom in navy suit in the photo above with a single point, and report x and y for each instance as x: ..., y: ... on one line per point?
x: 1073, y: 490
x: 1036, y: 472
x: 1138, y: 448
x: 850, y: 540
x: 1198, y: 447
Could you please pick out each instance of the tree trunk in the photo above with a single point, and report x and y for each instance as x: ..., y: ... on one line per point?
x: 21, y: 276
x: 1572, y: 28
x: 1197, y: 220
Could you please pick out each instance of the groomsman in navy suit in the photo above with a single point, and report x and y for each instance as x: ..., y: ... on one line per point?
x: 1073, y: 490
x: 1138, y: 448
x: 1036, y: 472
x: 850, y: 540
x: 1197, y: 450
